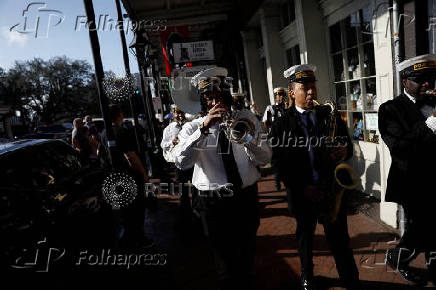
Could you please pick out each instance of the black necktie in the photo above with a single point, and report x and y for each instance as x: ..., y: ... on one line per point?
x: 307, y: 122
x: 310, y: 132
x: 226, y: 152
x: 420, y: 103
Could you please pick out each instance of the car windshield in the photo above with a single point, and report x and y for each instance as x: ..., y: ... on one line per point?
x: 68, y: 126
x: 51, y: 129
x: 47, y: 164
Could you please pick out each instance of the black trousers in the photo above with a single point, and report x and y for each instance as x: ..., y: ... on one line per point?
x: 336, y: 234
x: 418, y: 236
x: 182, y: 177
x: 132, y: 216
x: 232, y: 223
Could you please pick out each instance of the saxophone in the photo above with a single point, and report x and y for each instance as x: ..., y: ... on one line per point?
x: 344, y: 176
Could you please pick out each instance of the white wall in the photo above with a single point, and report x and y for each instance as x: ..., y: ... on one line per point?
x: 372, y: 161
x: 384, y: 69
x: 311, y: 26
x: 254, y: 69
x: 273, y: 48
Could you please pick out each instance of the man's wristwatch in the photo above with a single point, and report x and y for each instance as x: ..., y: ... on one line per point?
x: 203, y: 130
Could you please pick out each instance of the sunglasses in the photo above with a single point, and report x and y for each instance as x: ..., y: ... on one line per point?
x: 218, y: 96
x: 423, y: 79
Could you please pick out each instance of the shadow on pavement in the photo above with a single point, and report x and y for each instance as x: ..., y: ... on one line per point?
x: 325, y: 283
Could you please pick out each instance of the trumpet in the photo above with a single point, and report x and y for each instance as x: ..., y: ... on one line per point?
x: 344, y: 177
x: 238, y: 126
x: 430, y: 92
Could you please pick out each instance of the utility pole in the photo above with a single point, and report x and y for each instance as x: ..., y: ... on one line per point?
x: 141, y: 43
x: 128, y: 74
x: 99, y: 76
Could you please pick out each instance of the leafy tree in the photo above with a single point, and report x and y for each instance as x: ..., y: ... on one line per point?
x: 59, y: 89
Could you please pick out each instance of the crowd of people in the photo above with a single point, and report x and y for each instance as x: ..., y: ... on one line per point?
x: 220, y: 152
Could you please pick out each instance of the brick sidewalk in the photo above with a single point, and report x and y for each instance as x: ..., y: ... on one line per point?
x: 277, y: 262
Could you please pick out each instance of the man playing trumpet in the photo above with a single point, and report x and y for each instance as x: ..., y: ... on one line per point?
x: 225, y: 174
x: 407, y: 125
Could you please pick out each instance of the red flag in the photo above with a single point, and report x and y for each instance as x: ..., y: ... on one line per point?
x: 183, y: 30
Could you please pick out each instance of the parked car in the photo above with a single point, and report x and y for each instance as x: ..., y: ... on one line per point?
x: 55, y: 131
x: 127, y: 122
x: 46, y: 193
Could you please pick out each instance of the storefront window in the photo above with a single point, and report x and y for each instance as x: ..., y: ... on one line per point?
x: 432, y: 26
x: 287, y: 12
x: 352, y: 57
x: 293, y: 56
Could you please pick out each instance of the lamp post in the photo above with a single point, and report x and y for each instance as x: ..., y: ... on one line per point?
x: 99, y: 76
x: 155, y: 75
x: 128, y: 74
x: 140, y: 42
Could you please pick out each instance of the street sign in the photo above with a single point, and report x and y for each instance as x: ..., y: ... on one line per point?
x: 193, y: 51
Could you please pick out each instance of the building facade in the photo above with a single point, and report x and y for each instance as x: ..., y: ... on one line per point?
x: 351, y: 43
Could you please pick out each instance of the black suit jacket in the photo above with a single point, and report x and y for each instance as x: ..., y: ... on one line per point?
x: 413, y: 148
x: 290, y: 157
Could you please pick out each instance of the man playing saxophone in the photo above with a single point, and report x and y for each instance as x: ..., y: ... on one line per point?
x: 170, y: 140
x: 299, y: 156
x: 170, y: 134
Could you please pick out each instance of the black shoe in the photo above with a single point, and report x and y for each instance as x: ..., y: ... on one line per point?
x: 431, y: 267
x: 410, y: 276
x: 355, y: 286
x: 307, y: 282
x: 405, y: 271
x: 147, y: 243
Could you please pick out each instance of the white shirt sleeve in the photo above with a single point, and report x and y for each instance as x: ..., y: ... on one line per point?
x: 258, y: 149
x: 191, y: 141
x: 431, y: 123
x: 167, y: 142
x: 265, y: 114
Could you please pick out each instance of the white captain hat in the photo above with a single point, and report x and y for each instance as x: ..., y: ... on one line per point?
x: 211, y: 78
x: 279, y: 90
x: 418, y: 65
x: 301, y: 73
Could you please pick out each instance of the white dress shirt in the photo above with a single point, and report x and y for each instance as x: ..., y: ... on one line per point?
x: 169, y: 133
x: 427, y: 111
x: 269, y: 108
x: 311, y: 114
x: 200, y: 150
